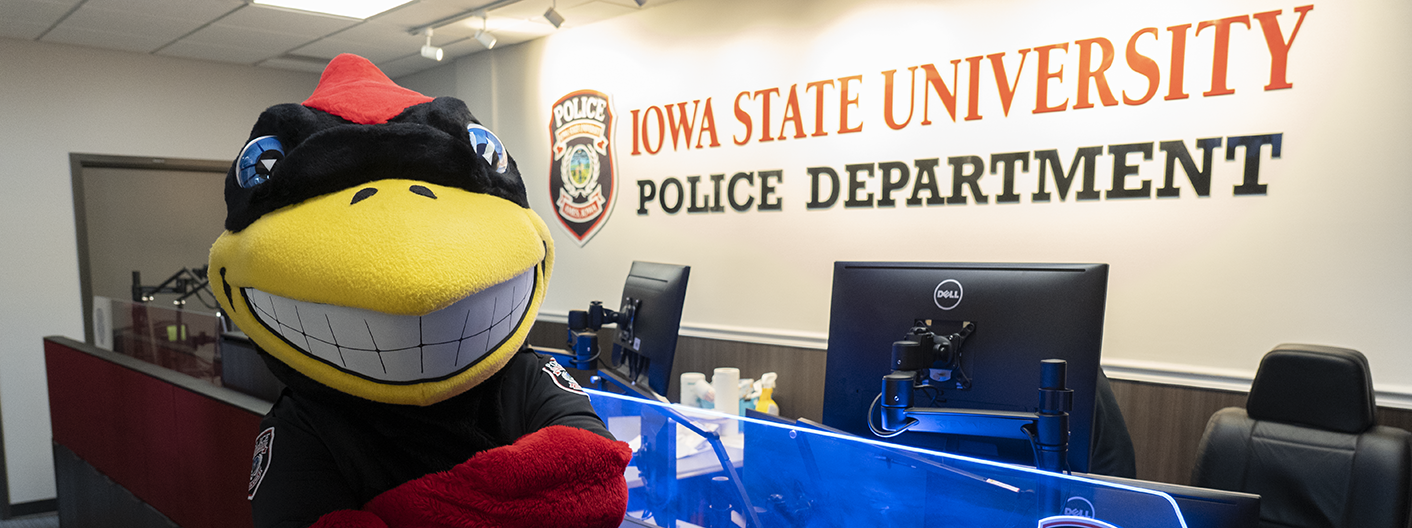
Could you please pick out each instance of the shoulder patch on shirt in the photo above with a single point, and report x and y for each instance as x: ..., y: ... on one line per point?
x: 561, y: 377
x: 260, y: 465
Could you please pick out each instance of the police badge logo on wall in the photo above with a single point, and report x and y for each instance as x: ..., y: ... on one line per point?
x: 582, y: 177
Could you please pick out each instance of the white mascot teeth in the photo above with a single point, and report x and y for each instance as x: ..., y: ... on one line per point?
x: 399, y: 348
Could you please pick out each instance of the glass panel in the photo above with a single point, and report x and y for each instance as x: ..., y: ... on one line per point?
x: 182, y: 340
x: 700, y: 468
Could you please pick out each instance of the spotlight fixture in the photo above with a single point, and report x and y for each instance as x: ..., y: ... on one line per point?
x: 554, y: 17
x: 641, y: 3
x: 429, y: 51
x: 484, y: 37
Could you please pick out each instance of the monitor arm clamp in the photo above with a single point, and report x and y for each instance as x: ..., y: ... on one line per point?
x: 1047, y: 429
x: 582, y: 340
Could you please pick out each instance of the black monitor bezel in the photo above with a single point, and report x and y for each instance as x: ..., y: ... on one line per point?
x: 659, y: 293
x: 874, y: 303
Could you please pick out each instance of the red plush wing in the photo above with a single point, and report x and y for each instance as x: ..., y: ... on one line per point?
x: 558, y: 476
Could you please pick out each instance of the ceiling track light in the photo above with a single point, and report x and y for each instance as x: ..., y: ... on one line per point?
x: 486, y: 39
x: 483, y: 36
x: 429, y: 51
x: 553, y: 16
x: 641, y: 3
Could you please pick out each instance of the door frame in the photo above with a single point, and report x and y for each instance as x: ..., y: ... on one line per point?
x: 80, y: 161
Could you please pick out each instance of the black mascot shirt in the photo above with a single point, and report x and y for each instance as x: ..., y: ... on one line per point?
x: 321, y: 450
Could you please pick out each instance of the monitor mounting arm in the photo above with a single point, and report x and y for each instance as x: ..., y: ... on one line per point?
x: 184, y: 283
x: 582, y: 342
x: 1047, y: 429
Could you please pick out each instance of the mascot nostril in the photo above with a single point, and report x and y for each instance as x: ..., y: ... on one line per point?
x: 422, y: 191
x: 398, y: 326
x: 363, y: 194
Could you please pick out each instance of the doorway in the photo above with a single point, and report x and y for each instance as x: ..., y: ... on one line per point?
x: 153, y: 216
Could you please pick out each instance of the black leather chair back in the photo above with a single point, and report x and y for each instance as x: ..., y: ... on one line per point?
x: 1307, y: 443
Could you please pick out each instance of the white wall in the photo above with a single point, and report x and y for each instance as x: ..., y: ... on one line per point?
x: 434, y: 82
x: 1200, y: 288
x: 56, y: 100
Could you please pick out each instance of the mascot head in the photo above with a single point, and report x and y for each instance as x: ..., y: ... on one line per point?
x: 379, y: 241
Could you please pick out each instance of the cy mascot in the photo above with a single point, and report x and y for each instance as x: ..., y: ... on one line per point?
x: 381, y: 252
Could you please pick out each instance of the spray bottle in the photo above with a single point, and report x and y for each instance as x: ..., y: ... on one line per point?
x: 766, y: 403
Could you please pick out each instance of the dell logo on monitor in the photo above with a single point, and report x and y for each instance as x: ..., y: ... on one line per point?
x: 948, y: 294
x: 1079, y: 507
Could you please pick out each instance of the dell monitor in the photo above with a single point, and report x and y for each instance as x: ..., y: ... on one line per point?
x: 1012, y: 317
x: 649, y: 317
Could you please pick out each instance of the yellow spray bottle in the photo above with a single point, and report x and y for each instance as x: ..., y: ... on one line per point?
x: 766, y: 403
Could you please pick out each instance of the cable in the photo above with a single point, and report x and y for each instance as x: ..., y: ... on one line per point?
x: 881, y: 433
x: 1034, y: 446
x: 1034, y: 443
x: 934, y: 392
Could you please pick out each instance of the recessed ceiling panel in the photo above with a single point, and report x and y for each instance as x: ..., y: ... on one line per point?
x: 359, y: 9
x: 132, y: 23
x: 262, y: 42
x: 190, y: 10
x: 284, y: 21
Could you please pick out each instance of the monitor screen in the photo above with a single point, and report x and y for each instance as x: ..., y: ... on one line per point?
x: 1019, y: 314
x: 644, y: 347
x: 1208, y: 508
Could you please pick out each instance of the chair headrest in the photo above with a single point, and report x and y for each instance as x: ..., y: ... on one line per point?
x: 1317, y: 386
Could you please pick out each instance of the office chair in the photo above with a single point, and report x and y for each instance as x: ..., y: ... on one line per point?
x: 1307, y: 443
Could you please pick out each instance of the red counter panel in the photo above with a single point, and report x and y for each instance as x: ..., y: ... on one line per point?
x: 185, y: 453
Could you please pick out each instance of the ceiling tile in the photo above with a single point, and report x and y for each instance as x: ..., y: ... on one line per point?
x: 593, y: 12
x: 330, y: 47
x: 239, y: 32
x: 288, y: 22
x: 379, y: 34
x: 537, y: 27
x: 102, y: 39
x: 423, y: 13
x: 133, y: 23
x: 265, y: 42
x: 527, y: 9
x: 33, y: 11
x: 196, y: 50
x: 18, y: 29
x: 633, y: 4
x: 202, y: 11
x: 576, y: 12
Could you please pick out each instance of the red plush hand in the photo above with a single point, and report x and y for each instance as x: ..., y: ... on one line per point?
x: 558, y: 476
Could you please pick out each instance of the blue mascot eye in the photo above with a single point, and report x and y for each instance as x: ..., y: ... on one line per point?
x: 488, y: 146
x: 257, y: 159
